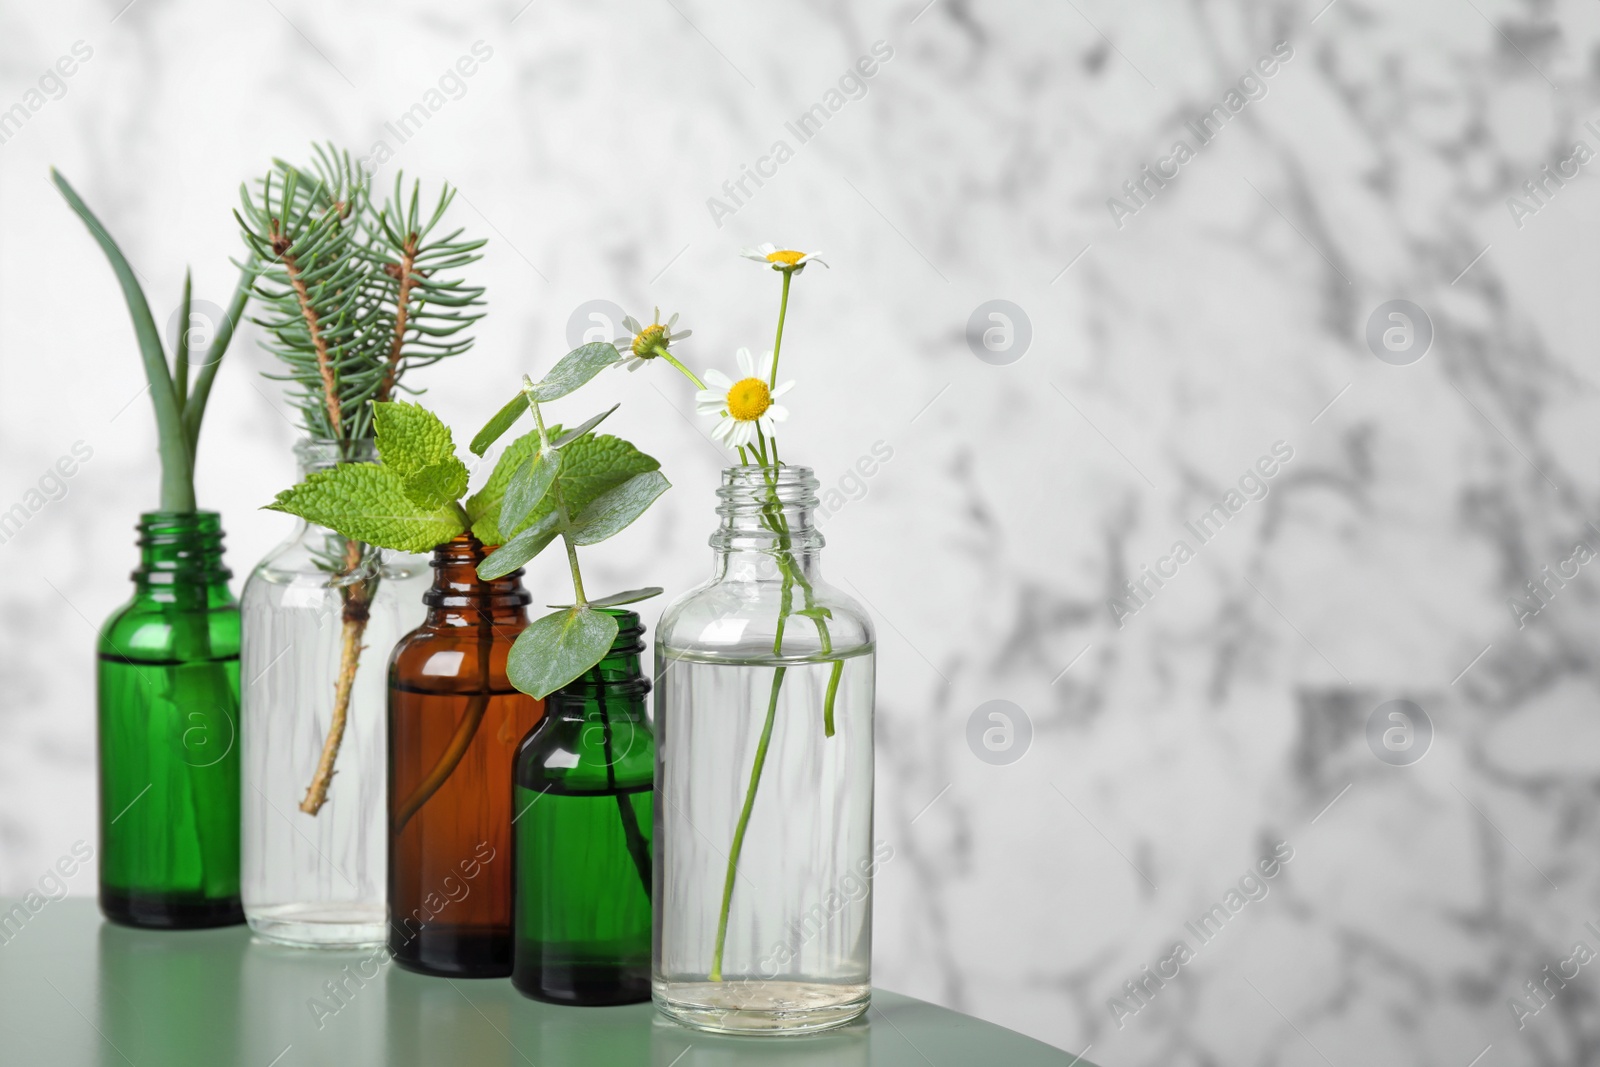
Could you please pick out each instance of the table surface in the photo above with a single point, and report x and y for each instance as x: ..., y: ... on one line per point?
x: 75, y: 990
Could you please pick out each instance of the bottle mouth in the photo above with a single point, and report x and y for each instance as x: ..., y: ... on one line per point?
x: 317, y: 452
x: 630, y: 630
x: 456, y: 583
x: 748, y: 489
x: 186, y: 544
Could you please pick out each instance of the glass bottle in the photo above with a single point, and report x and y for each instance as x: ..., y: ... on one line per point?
x: 763, y: 849
x: 581, y: 846
x: 318, y: 879
x: 454, y: 725
x: 168, y: 719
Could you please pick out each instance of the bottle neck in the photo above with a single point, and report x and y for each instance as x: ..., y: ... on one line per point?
x: 616, y: 686
x: 180, y: 551
x: 768, y: 530
x: 353, y: 560
x: 458, y: 597
x: 321, y: 453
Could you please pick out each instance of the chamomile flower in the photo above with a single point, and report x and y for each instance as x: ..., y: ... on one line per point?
x: 741, y: 406
x: 639, y: 344
x: 783, y: 259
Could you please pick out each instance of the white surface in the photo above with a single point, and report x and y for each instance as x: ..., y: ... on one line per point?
x: 1226, y: 315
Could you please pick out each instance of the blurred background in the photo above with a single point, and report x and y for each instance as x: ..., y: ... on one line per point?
x: 1339, y: 346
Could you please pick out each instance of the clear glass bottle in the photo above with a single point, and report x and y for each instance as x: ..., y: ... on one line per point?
x: 454, y: 725
x: 168, y: 722
x: 763, y: 847
x: 318, y: 879
x: 581, y: 845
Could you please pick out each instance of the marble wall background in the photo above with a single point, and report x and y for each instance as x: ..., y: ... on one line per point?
x: 1173, y: 344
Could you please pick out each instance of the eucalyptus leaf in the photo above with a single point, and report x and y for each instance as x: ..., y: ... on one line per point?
x: 574, y: 369
x: 520, y: 549
x: 528, y: 487
x: 496, y: 427
x: 614, y: 509
x: 559, y: 649
x: 483, y: 507
x: 631, y: 596
x: 578, y: 431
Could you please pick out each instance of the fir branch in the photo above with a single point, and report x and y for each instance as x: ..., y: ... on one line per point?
x: 425, y: 309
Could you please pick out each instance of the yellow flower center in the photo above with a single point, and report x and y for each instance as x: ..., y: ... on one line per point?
x: 749, y: 399
x: 786, y: 256
x: 644, y: 344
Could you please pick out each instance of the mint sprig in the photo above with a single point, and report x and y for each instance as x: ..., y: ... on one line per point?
x: 574, y: 485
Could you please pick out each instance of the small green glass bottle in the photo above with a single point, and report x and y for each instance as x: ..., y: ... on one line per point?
x: 582, y: 813
x: 169, y: 713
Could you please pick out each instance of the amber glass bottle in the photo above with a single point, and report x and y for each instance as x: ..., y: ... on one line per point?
x: 454, y: 725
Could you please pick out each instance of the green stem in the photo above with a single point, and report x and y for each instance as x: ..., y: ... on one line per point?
x: 561, y: 503
x: 744, y: 823
x: 637, y: 849
x: 777, y: 342
x: 661, y: 351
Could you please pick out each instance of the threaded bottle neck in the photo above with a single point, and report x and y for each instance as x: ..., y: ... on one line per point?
x: 180, y: 548
x: 458, y: 592
x: 321, y: 453
x: 766, y: 510
x: 618, y: 675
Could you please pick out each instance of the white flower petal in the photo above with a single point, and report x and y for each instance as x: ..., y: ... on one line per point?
x: 743, y: 433
x: 718, y: 379
x: 777, y: 413
x: 784, y: 388
x: 680, y: 335
x: 635, y: 364
x: 711, y: 408
x: 747, y: 364
x: 764, y: 371
x: 672, y: 322
x: 631, y: 324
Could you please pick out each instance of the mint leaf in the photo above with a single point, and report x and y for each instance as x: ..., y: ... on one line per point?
x: 496, y: 427
x: 528, y: 487
x: 575, y: 368
x: 559, y: 649
x: 613, y: 510
x: 413, y: 442
x: 410, y: 437
x: 368, y: 502
x: 438, y: 485
x: 520, y: 549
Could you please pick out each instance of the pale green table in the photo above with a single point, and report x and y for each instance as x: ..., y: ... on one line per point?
x: 77, y: 991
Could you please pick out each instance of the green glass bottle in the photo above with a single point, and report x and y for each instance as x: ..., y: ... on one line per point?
x: 169, y: 713
x: 581, y: 808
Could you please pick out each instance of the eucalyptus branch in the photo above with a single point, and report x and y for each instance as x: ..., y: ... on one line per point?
x: 563, y: 520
